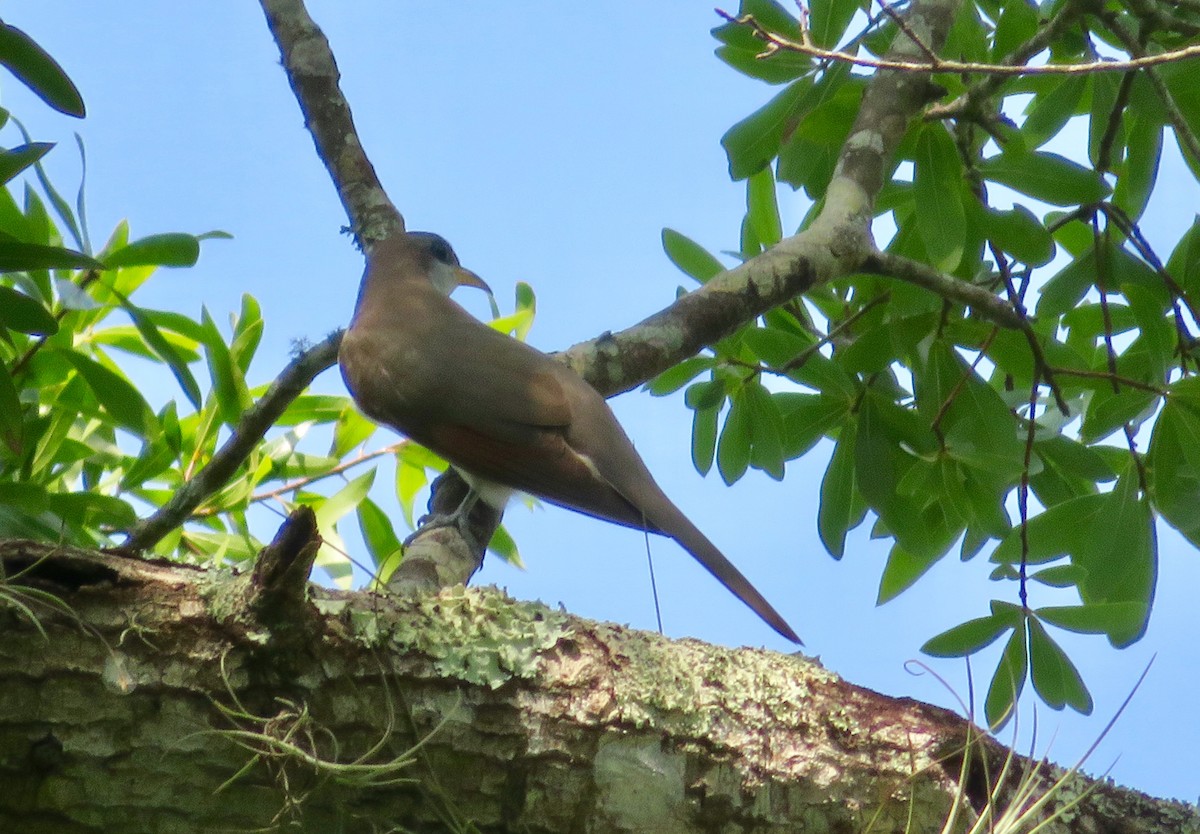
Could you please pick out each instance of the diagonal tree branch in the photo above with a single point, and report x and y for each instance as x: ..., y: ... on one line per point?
x: 314, y: 76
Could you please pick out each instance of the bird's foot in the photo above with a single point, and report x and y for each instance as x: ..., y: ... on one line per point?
x: 459, y: 520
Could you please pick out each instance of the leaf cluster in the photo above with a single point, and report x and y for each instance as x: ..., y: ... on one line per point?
x: 1054, y: 450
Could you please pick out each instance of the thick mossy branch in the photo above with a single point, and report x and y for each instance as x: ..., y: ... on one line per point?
x: 530, y: 719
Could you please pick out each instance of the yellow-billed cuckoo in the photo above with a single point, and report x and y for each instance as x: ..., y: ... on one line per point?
x: 506, y: 416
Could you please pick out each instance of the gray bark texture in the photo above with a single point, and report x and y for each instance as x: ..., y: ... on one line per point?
x: 138, y: 696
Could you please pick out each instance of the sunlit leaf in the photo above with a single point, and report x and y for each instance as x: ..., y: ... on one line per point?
x: 38, y: 71
x: 692, y: 258
x: 170, y: 249
x: 24, y: 314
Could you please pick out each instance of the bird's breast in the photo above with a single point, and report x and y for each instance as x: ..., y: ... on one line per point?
x: 388, y: 379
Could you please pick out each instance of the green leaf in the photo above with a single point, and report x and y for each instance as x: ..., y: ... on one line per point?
x: 1055, y: 532
x: 837, y: 512
x: 377, y: 531
x: 1059, y: 576
x: 774, y: 69
x: 1019, y: 233
x: 228, y: 384
x: 1174, y: 460
x: 170, y: 249
x: 24, y: 257
x: 754, y: 141
x: 1110, y: 618
x: 809, y: 155
x: 1140, y: 170
x: 247, y: 333
x: 1055, y: 678
x: 774, y: 346
x: 707, y: 394
x: 1068, y: 286
x: 828, y: 20
x: 410, y: 479
x: 672, y: 379
x: 1008, y: 681
x: 16, y: 160
x: 901, y: 571
x: 762, y: 207
x: 766, y: 431
x: 350, y: 429
x: 691, y: 258
x: 504, y: 546
x: 941, y: 220
x: 733, y: 449
x: 328, y: 512
x: 11, y: 418
x: 1047, y: 177
x: 1016, y: 25
x: 165, y: 351
x: 1184, y: 263
x: 1119, y: 554
x: 91, y: 509
x: 1076, y: 458
x: 971, y: 636
x: 1051, y: 110
x: 1108, y: 411
x: 807, y: 418
x: 38, y: 71
x: 23, y: 314
x: 746, y: 53
x: 117, y: 395
x: 704, y: 437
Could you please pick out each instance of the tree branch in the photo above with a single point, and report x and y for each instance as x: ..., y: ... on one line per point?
x: 991, y: 307
x: 313, y: 75
x: 776, y: 43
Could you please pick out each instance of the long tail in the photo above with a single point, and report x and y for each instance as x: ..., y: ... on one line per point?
x: 681, y: 529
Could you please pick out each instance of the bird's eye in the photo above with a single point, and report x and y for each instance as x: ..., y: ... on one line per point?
x: 440, y: 249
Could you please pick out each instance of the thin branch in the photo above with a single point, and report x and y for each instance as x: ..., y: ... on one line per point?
x: 1178, y: 122
x: 313, y: 75
x: 777, y: 42
x: 922, y: 275
x: 903, y: 26
x: 1115, y: 379
x: 246, y: 436
x: 936, y: 425
x: 1041, y: 367
x: 841, y: 327
x: 984, y: 88
x: 300, y: 483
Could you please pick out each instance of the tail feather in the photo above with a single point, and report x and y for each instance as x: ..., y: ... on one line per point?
x: 681, y: 529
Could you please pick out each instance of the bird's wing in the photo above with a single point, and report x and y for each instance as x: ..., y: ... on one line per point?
x: 500, y: 385
x: 540, y: 462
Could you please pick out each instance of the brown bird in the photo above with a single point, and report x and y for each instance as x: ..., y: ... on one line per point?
x: 506, y: 416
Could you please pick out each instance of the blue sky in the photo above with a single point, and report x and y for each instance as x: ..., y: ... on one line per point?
x: 550, y: 142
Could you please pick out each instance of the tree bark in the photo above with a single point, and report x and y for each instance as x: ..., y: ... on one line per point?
x: 147, y: 697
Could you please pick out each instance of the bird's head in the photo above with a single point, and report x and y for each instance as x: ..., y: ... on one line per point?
x: 415, y: 255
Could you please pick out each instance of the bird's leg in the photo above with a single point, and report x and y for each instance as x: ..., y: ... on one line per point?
x: 459, y: 519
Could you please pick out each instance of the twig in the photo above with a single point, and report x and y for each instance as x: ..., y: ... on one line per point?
x: 941, y: 65
x: 841, y: 327
x: 947, y: 286
x: 1115, y: 379
x: 1179, y: 124
x: 1041, y: 367
x: 903, y: 26
x: 300, y: 483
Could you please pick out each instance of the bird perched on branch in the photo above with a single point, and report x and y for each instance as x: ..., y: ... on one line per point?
x: 505, y: 415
